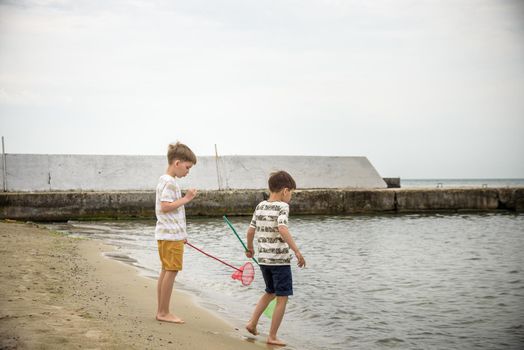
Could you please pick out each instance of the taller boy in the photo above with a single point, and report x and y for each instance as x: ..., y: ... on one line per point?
x: 170, y: 231
x: 269, y: 223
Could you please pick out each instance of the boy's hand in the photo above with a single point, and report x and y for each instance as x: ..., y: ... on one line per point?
x: 249, y: 253
x: 190, y: 194
x: 301, y: 262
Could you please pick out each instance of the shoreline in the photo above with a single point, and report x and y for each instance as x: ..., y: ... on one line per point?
x: 62, y: 292
x: 194, y: 295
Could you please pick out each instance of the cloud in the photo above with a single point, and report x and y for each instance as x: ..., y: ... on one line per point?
x: 342, y: 77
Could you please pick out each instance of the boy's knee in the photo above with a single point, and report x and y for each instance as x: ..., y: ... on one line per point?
x: 271, y: 295
x: 282, y: 298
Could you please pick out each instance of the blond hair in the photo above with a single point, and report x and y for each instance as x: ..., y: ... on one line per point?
x: 179, y: 151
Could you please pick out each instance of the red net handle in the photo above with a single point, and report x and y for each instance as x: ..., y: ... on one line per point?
x: 213, y: 257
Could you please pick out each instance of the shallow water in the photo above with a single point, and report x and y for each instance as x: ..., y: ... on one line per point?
x: 372, y: 282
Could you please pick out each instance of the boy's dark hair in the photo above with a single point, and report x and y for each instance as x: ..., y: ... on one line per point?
x: 280, y: 180
x: 179, y: 151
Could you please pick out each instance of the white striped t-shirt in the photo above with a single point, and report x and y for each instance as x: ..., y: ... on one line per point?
x: 272, y: 250
x: 170, y: 226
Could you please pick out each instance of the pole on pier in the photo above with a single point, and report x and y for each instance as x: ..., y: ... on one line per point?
x: 4, y: 170
x: 219, y: 179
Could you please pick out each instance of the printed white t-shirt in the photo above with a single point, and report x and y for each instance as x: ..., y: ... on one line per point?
x: 170, y: 226
x: 272, y: 250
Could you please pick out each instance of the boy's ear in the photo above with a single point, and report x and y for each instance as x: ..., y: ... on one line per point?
x: 176, y: 162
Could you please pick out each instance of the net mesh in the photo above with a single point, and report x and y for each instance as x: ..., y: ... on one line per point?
x: 246, y: 274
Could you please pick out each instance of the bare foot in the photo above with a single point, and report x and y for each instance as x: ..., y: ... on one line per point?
x: 275, y: 341
x: 170, y: 318
x: 252, y: 329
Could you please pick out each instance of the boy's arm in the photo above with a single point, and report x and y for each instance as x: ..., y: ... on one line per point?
x: 170, y: 206
x: 250, y: 237
x: 286, y: 236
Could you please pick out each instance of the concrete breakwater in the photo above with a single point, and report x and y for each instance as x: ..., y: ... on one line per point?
x: 61, y: 206
x: 70, y: 172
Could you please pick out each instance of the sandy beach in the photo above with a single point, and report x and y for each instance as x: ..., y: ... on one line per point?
x: 61, y: 292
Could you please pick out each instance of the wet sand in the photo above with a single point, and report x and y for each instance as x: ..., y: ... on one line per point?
x: 60, y: 292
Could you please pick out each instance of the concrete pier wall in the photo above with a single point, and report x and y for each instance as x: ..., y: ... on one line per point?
x: 59, y: 206
x: 40, y: 172
x: 392, y: 182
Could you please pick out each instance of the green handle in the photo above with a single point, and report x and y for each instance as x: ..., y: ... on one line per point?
x: 271, y: 306
x: 236, y: 234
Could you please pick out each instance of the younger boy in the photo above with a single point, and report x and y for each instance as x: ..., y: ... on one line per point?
x: 269, y: 223
x: 170, y: 231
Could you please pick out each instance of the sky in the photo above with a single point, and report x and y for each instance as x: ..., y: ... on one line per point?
x: 423, y: 88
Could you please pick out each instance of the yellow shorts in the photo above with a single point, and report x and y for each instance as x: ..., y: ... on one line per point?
x: 171, y: 254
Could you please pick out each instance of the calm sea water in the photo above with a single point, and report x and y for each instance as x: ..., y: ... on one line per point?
x: 372, y: 282
x: 445, y: 183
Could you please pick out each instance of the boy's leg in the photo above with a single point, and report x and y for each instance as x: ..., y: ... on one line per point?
x: 278, y: 315
x: 158, y: 288
x: 262, y: 304
x: 166, y: 288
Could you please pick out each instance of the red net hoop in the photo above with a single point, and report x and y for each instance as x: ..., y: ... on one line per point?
x: 245, y: 274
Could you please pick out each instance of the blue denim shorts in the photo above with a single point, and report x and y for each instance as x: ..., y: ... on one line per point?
x: 278, y: 279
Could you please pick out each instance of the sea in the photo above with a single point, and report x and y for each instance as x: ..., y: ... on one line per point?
x: 438, y: 281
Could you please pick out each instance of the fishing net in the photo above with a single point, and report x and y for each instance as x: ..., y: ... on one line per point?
x: 245, y: 274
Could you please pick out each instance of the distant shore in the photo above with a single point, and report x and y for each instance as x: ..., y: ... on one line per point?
x: 77, y: 205
x: 60, y: 292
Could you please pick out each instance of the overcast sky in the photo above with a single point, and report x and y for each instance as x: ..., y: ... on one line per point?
x: 422, y: 88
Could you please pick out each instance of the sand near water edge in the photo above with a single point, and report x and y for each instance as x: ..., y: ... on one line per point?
x: 59, y: 292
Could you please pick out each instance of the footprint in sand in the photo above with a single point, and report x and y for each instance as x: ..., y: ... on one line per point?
x: 93, y: 334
